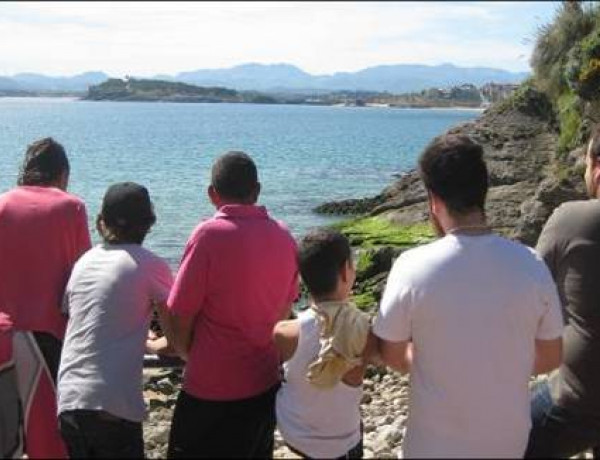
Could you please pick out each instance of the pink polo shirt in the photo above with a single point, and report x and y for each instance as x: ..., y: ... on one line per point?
x: 43, y: 231
x: 237, y: 277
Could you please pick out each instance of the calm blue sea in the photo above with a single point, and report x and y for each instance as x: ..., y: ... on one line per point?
x: 306, y: 155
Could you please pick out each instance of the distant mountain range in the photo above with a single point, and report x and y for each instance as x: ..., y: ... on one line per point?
x: 38, y: 82
x: 401, y: 78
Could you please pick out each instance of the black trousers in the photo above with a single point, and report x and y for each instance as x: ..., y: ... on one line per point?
x: 98, y: 434
x: 356, y: 452
x: 223, y: 429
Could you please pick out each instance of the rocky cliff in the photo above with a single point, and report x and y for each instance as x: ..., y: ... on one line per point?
x: 520, y: 141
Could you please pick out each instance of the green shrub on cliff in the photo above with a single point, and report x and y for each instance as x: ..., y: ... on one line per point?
x: 572, y: 23
x: 566, y: 67
x: 569, y: 118
x: 529, y: 100
x: 582, y: 70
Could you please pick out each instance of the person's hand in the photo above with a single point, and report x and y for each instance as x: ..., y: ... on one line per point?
x: 159, y: 346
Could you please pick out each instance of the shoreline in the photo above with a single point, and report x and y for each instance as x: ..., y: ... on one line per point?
x: 164, y: 101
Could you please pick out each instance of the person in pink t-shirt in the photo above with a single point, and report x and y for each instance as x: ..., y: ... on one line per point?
x: 43, y: 231
x: 237, y: 279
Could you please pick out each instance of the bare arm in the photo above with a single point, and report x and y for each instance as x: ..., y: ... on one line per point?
x: 354, y: 377
x: 548, y: 355
x: 397, y: 355
x: 177, y: 329
x: 371, y: 354
x: 159, y: 346
x: 285, y: 336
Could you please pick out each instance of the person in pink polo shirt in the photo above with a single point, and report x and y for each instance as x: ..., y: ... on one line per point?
x: 237, y: 279
x: 43, y: 231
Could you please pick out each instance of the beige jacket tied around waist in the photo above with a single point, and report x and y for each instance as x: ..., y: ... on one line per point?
x: 343, y: 336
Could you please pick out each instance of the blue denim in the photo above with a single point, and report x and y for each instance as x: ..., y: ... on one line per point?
x: 557, y: 432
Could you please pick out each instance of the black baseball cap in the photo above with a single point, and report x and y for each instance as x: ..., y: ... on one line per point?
x: 127, y: 204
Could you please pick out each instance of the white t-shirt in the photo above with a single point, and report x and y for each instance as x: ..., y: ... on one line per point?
x: 320, y: 423
x: 108, y: 300
x: 473, y: 307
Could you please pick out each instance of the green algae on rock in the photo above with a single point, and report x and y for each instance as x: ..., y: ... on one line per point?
x: 378, y: 231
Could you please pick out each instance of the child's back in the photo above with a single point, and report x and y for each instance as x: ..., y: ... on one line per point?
x: 317, y: 422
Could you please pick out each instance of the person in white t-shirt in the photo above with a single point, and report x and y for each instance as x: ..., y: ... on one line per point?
x: 471, y: 316
x: 325, y: 352
x: 109, y: 300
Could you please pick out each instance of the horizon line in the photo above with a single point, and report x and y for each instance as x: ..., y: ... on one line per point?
x: 266, y: 65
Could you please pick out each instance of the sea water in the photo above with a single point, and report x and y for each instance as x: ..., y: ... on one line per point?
x: 306, y: 155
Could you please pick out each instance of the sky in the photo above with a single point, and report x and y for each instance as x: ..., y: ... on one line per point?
x: 150, y: 38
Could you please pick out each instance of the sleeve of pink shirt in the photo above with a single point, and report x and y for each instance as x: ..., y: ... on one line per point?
x: 84, y: 241
x: 294, y: 289
x: 162, y: 280
x: 295, y: 286
x: 188, y: 293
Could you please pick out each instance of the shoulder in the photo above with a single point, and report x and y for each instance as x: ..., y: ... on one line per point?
x: 524, y: 261
x: 67, y: 202
x: 285, y: 337
x: 208, y: 228
x: 569, y: 222
x: 49, y: 195
x: 286, y: 234
x: 88, y: 258
x: 502, y: 247
x: 572, y: 214
x: 427, y: 256
x: 150, y: 259
x: 67, y: 197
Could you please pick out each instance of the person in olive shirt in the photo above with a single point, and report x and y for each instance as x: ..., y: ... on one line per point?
x: 566, y: 411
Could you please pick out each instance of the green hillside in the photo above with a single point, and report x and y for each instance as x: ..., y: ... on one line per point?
x: 132, y: 89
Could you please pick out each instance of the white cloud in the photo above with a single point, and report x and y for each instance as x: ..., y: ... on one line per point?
x: 149, y: 38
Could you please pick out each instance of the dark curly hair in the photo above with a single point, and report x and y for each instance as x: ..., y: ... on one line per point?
x: 45, y: 162
x: 452, y: 168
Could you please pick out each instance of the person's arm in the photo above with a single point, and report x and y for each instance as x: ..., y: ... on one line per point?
x: 551, y: 241
x: 159, y: 345
x: 548, y: 355
x: 397, y: 355
x: 371, y: 353
x: 552, y: 247
x: 354, y: 377
x: 178, y: 330
x: 292, y: 296
x: 393, y: 324
x: 187, y: 298
x: 548, y: 338
x: 285, y: 336
x: 82, y: 241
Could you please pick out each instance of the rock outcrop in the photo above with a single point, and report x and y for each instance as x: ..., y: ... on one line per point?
x: 526, y: 182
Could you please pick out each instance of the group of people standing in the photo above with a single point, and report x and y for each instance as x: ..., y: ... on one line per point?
x: 472, y: 316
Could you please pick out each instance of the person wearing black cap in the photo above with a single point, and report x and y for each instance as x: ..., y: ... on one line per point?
x: 109, y: 300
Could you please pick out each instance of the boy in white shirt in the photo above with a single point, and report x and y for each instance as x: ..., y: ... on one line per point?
x: 318, y: 404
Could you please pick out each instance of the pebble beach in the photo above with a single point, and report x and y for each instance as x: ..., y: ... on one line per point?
x: 384, y: 409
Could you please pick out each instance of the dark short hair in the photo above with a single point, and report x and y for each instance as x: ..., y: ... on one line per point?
x: 45, y: 161
x: 234, y: 177
x: 452, y: 168
x: 321, y: 255
x: 595, y: 140
x: 127, y: 214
